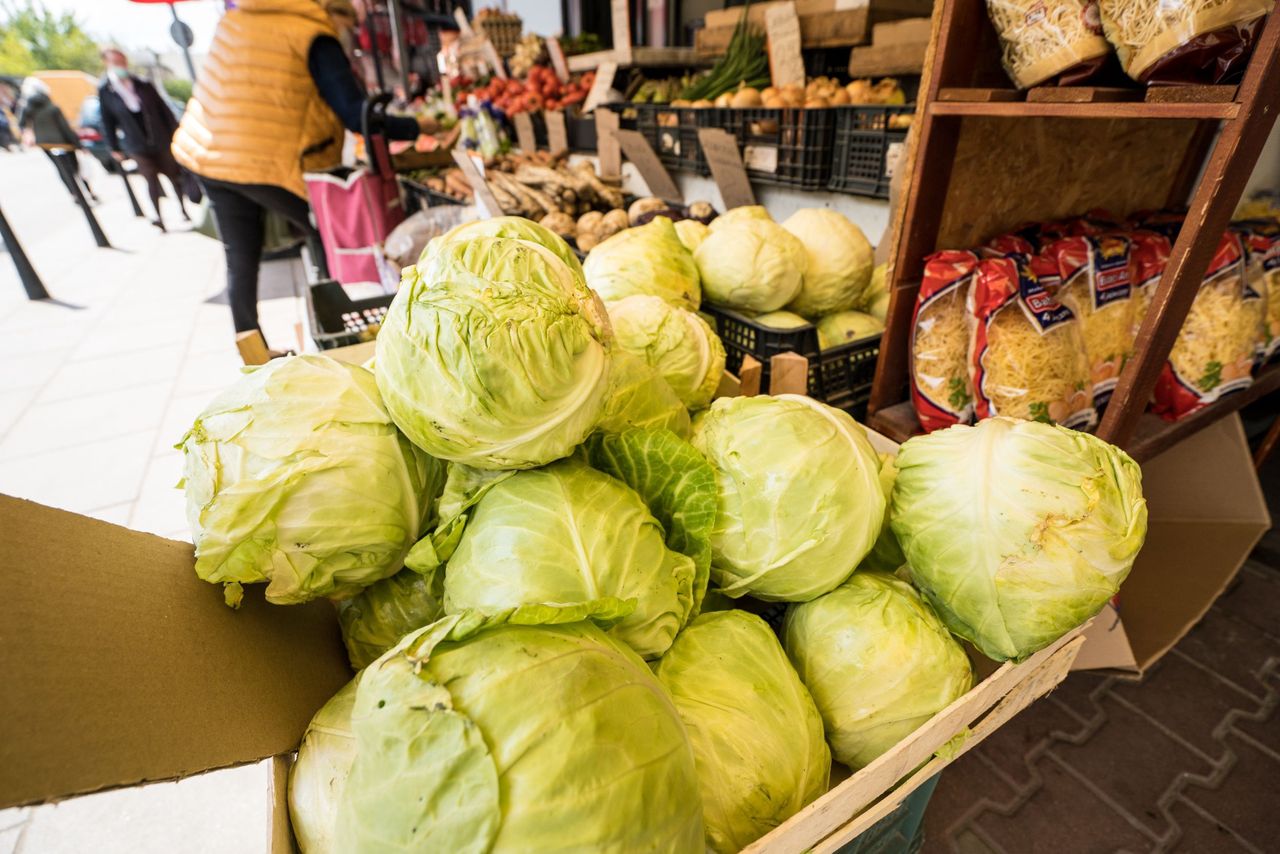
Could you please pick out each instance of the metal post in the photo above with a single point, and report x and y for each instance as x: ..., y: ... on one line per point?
x: 128, y: 188
x: 186, y: 46
x: 371, y: 22
x: 30, y: 279
x: 62, y: 160
x: 396, y: 14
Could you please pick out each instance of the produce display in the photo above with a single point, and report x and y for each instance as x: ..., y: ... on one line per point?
x: 838, y: 269
x: 543, y: 566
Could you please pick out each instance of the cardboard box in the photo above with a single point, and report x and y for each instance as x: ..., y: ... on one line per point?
x: 1206, y: 513
x: 823, y: 23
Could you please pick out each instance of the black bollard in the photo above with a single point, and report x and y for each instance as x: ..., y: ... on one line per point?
x: 63, y: 162
x: 30, y: 279
x: 128, y: 188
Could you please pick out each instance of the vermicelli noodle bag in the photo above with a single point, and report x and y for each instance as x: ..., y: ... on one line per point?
x: 1262, y: 240
x: 1094, y: 283
x: 1214, y: 352
x: 1044, y: 39
x: 940, y: 388
x: 1148, y: 256
x: 1028, y: 356
x: 1183, y: 41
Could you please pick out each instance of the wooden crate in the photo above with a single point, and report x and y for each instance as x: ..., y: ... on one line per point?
x: 821, y: 23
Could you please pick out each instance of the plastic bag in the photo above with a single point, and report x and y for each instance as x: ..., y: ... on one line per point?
x: 1183, y: 41
x: 1044, y: 39
x: 1028, y: 356
x: 1261, y: 239
x: 940, y: 387
x: 1148, y: 256
x: 406, y: 241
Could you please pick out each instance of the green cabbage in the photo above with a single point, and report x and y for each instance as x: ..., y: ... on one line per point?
x: 839, y: 262
x: 886, y: 555
x: 571, y: 533
x: 875, y: 299
x: 516, y: 227
x: 648, y: 259
x: 756, y: 734
x: 878, y: 662
x: 494, y: 354
x: 320, y: 772
x: 1017, y: 531
x: 846, y: 326
x: 878, y: 307
x: 297, y: 476
x: 494, y: 735
x: 733, y: 216
x: 640, y: 397
x: 691, y: 233
x: 676, y: 342
x: 384, y: 612
x: 780, y: 320
x: 800, y: 501
x: 751, y: 264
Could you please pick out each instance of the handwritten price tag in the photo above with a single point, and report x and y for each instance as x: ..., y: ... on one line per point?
x: 600, y: 88
x: 524, y: 132
x: 485, y: 200
x: 782, y: 26
x: 639, y: 152
x: 557, y: 60
x: 721, y: 151
x: 557, y: 135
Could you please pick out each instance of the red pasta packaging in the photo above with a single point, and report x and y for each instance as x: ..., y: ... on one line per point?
x: 940, y: 389
x: 1262, y: 275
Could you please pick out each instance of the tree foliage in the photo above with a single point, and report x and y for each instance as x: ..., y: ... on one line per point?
x: 32, y: 38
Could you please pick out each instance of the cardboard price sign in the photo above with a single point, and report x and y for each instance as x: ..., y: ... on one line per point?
x: 491, y: 56
x: 782, y: 26
x: 721, y: 151
x: 464, y: 26
x: 487, y: 202
x: 607, y: 144
x: 639, y: 152
x: 620, y: 14
x: 557, y: 60
x: 524, y: 132
x: 600, y: 88
x: 557, y: 135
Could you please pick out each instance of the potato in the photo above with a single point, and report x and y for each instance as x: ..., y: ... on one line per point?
x: 816, y: 102
x: 840, y: 98
x: 587, y: 241
x: 769, y: 92
x: 614, y: 221
x: 590, y: 221
x: 559, y: 222
x: 702, y: 104
x: 724, y: 100
x: 747, y: 97
x: 640, y: 207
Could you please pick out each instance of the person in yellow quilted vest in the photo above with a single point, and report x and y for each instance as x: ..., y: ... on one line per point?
x: 273, y: 98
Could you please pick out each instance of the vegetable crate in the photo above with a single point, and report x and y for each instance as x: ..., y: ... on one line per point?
x: 864, y: 137
x: 581, y: 132
x: 677, y: 139
x: 788, y: 146
x: 840, y: 376
x: 337, y: 320
x: 419, y: 196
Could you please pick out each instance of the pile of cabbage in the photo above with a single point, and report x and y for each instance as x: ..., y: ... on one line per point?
x: 552, y: 565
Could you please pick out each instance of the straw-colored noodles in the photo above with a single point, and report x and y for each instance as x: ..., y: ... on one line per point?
x: 1143, y: 31
x: 1043, y: 38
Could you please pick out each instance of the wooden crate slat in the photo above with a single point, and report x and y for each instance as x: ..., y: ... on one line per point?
x: 977, y: 95
x: 1203, y: 94
x: 1105, y: 110
x: 1081, y: 94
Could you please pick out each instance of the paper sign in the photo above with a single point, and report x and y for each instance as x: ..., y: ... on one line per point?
x: 782, y: 26
x: 491, y: 56
x: 607, y: 144
x: 639, y: 152
x: 464, y: 26
x: 620, y: 11
x: 524, y: 133
x: 892, y: 157
x: 557, y: 136
x: 761, y: 158
x: 485, y: 200
x: 557, y: 59
x: 721, y: 151
x: 600, y: 88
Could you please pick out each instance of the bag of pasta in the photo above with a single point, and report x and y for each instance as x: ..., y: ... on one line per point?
x: 1148, y: 256
x: 1093, y: 281
x: 1027, y: 356
x: 1183, y: 41
x: 1166, y: 222
x: 1045, y: 41
x: 1261, y: 239
x: 940, y: 389
x: 1214, y: 352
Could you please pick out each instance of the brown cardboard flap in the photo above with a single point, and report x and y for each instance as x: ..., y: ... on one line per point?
x: 120, y: 666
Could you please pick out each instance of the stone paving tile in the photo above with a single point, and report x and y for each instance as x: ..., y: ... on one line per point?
x: 1254, y: 597
x: 1202, y: 834
x: 1015, y: 747
x: 1236, y: 801
x: 1233, y: 649
x: 966, y: 786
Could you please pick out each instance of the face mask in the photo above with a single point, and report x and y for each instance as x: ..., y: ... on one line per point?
x: 117, y: 72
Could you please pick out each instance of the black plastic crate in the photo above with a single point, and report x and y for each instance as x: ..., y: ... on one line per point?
x: 677, y: 133
x: 645, y: 117
x: 337, y: 320
x: 787, y: 146
x: 840, y: 376
x: 863, y: 139
x: 419, y: 196
x: 627, y: 115
x: 581, y: 131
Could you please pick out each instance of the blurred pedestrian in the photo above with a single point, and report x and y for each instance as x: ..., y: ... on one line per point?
x: 274, y: 94
x: 139, y: 125
x: 43, y: 122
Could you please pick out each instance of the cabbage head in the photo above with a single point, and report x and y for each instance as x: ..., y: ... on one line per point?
x: 492, y: 734
x: 1017, y: 531
x: 756, y: 734
x: 640, y: 397
x: 516, y: 227
x: 676, y: 342
x: 384, y: 612
x: 569, y: 533
x: 648, y: 259
x: 839, y: 265
x: 800, y: 500
x: 846, y: 326
x: 493, y: 354
x: 733, y: 216
x: 297, y: 476
x: 878, y: 662
x: 875, y: 300
x: 878, y: 307
x: 780, y: 320
x: 320, y: 772
x: 751, y: 264
x: 886, y: 555
x: 691, y: 233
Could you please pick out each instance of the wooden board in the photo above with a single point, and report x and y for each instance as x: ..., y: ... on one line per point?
x: 886, y: 61
x: 953, y: 105
x: 639, y: 57
x: 1081, y: 94
x: 1186, y: 94
x: 833, y: 29
x: 980, y: 95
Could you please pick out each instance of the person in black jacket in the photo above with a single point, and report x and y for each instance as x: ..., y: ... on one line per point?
x: 49, y: 130
x: 138, y: 124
